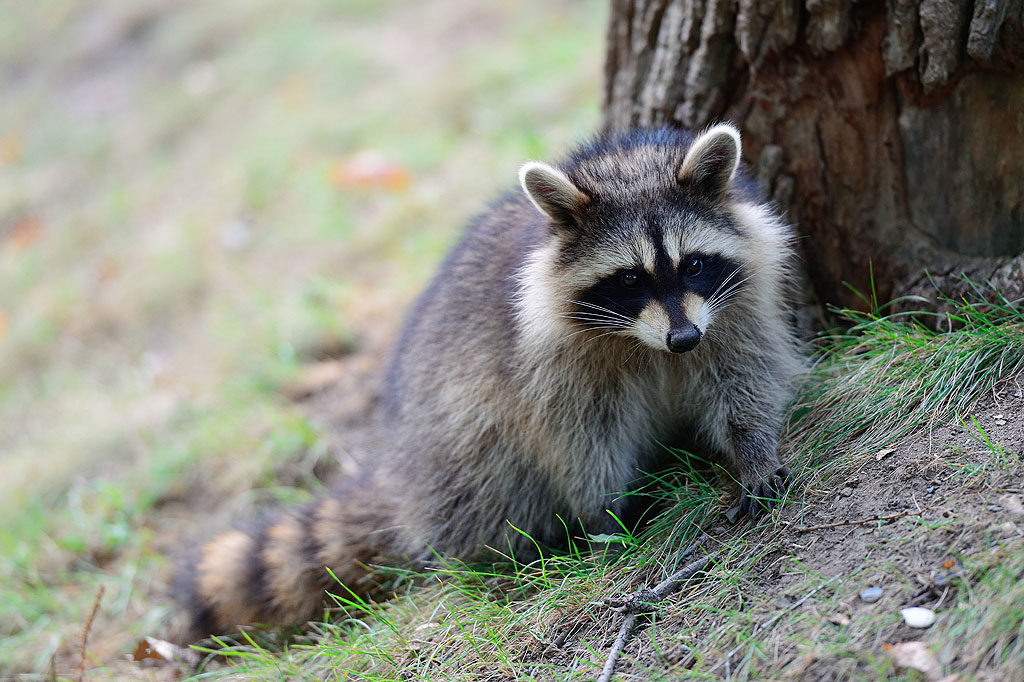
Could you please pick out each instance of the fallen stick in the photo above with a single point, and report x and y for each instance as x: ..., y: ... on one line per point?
x: 85, y: 631
x: 620, y: 643
x: 857, y: 522
x: 643, y: 601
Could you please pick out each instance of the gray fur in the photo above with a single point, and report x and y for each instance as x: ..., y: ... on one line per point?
x: 504, y: 407
x: 502, y: 412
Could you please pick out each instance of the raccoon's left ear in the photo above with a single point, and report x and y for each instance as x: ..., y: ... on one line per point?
x: 552, y: 192
x: 712, y: 160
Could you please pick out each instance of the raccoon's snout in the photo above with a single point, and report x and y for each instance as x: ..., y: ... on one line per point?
x: 683, y: 339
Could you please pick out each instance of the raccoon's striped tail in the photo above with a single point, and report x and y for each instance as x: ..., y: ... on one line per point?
x: 276, y: 571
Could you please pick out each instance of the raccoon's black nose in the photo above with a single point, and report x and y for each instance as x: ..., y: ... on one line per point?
x: 683, y: 339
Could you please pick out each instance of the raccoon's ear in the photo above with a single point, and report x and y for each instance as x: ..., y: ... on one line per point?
x: 712, y: 159
x: 552, y: 192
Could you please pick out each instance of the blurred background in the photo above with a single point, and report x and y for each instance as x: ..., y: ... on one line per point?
x: 200, y: 201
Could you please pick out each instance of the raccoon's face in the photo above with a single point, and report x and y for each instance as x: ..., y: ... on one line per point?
x: 645, y: 247
x: 668, y: 303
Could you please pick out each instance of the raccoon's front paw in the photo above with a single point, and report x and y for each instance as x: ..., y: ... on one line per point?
x: 761, y: 494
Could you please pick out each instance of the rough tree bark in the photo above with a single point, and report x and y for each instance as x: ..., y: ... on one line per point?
x: 892, y: 132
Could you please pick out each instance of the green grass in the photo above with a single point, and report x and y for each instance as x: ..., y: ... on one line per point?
x: 886, y: 376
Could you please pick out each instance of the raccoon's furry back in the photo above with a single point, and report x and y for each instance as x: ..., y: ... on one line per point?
x: 636, y: 294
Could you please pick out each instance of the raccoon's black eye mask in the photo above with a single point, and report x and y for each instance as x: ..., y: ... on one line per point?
x: 627, y: 291
x: 711, y: 276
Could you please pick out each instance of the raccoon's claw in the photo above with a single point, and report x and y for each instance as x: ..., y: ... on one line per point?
x: 762, y: 495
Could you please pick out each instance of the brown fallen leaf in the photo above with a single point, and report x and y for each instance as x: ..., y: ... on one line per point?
x: 25, y: 231
x: 882, y: 454
x: 369, y: 168
x: 151, y: 648
x: 148, y: 650
x: 916, y: 656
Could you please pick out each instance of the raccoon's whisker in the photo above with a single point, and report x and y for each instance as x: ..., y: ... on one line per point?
x: 612, y: 329
x: 648, y: 325
x: 602, y: 320
x: 637, y: 345
x: 648, y: 361
x: 588, y: 304
x: 601, y: 325
x: 648, y: 355
x: 609, y: 333
x: 592, y: 327
x: 617, y: 313
x: 584, y: 317
x: 724, y: 282
x: 602, y: 309
x: 721, y: 304
x: 717, y: 300
x: 717, y: 293
x: 596, y: 322
x: 723, y: 292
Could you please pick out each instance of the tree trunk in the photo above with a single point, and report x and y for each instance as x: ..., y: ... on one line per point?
x: 892, y: 132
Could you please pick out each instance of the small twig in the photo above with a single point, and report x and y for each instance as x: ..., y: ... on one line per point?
x: 857, y: 522
x: 674, y: 582
x: 643, y: 602
x: 640, y: 600
x: 620, y: 643
x: 559, y: 641
x: 768, y: 623
x: 85, y: 631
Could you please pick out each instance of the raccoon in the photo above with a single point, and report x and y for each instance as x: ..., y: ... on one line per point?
x: 635, y: 295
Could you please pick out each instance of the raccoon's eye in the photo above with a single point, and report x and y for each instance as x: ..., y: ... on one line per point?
x: 694, y: 267
x: 629, y: 279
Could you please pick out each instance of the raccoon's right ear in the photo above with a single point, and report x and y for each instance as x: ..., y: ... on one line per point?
x: 552, y: 192
x: 712, y: 160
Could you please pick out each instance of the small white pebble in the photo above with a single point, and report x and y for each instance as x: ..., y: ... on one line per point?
x: 871, y: 594
x: 917, y: 617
